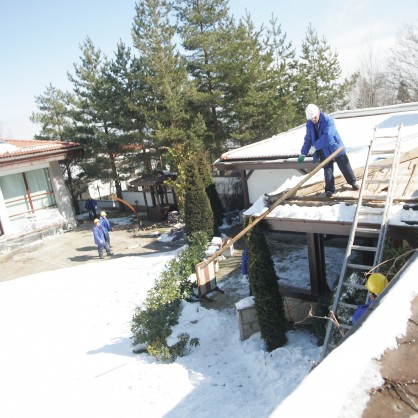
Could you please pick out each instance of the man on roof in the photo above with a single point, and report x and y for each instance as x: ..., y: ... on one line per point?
x: 322, y: 135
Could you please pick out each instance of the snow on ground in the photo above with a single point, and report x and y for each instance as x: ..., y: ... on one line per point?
x: 66, y: 351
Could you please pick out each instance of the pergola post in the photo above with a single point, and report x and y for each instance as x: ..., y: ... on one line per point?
x: 317, y: 270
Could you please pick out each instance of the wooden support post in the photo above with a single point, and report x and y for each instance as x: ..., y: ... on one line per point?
x: 244, y: 182
x: 317, y: 268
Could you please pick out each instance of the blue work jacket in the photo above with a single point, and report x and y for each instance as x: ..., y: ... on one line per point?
x: 99, y: 237
x: 360, y: 311
x: 104, y: 222
x: 328, y: 141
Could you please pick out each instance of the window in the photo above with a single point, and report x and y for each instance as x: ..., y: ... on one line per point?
x: 25, y: 193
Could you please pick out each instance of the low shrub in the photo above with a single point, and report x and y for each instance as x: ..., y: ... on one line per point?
x: 152, y: 323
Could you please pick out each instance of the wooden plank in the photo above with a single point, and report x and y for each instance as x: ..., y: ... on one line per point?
x: 358, y: 172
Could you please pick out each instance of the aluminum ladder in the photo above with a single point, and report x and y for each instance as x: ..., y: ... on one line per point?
x: 355, y: 281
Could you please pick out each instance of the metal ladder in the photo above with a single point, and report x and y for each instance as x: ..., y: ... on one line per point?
x: 355, y: 282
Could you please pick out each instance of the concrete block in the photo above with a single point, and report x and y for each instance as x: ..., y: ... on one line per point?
x: 247, y: 320
x: 297, y: 310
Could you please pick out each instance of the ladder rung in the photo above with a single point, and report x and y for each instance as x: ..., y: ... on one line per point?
x: 382, y: 151
x: 348, y: 305
x: 359, y: 266
x: 355, y: 286
x: 363, y: 248
x: 371, y: 211
x: 376, y: 164
x: 385, y: 136
x: 367, y: 231
x: 377, y: 198
x: 376, y: 181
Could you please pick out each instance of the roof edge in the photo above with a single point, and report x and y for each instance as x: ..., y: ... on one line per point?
x: 370, y: 111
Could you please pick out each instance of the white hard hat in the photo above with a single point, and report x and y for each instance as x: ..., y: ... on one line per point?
x: 311, y: 111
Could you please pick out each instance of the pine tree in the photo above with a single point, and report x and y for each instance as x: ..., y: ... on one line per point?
x: 249, y: 85
x: 198, y: 215
x: 284, y: 104
x: 54, y: 115
x: 127, y: 76
x: 265, y: 289
x: 403, y: 93
x: 319, y: 73
x: 95, y: 115
x: 168, y: 88
x: 202, y: 30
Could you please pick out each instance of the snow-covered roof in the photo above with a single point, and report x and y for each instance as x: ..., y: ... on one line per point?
x: 12, y: 150
x: 5, y: 147
x: 356, y: 128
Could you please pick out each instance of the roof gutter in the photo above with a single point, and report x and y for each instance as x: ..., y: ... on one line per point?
x: 264, y: 165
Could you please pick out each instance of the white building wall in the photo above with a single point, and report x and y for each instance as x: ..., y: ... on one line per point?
x: 43, y: 222
x: 137, y: 197
x: 267, y: 181
x: 4, y: 216
x: 62, y: 195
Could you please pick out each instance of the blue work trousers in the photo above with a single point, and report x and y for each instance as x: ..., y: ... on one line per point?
x: 345, y: 168
x: 106, y: 247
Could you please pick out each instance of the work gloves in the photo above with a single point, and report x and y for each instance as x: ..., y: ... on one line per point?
x: 301, y: 158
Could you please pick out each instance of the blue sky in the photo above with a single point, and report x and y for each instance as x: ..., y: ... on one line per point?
x: 40, y: 39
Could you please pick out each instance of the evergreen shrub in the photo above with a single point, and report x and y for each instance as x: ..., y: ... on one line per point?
x: 265, y: 288
x: 152, y: 323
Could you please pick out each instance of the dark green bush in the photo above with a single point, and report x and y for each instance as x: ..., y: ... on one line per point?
x: 265, y: 288
x: 198, y: 214
x: 152, y: 323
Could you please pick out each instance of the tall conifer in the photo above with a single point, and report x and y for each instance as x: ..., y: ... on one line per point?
x: 319, y: 75
x: 210, y: 188
x: 249, y: 85
x: 54, y: 115
x: 168, y: 89
x: 202, y: 26
x: 265, y: 288
x: 95, y: 117
x: 197, y: 211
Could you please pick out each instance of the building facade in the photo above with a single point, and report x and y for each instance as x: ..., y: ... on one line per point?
x: 34, y: 200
